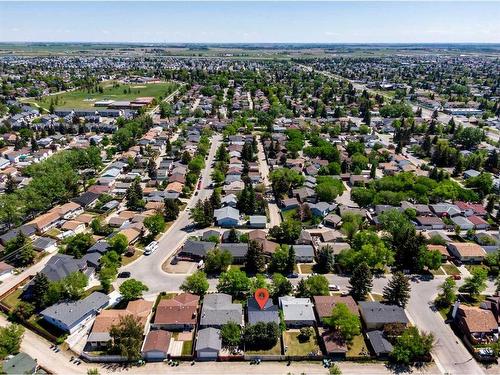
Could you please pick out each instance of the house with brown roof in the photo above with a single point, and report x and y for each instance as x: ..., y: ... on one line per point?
x: 323, y: 305
x: 467, y: 251
x: 156, y: 344
x: 132, y: 234
x: 479, y: 325
x: 99, y: 335
x: 45, y: 222
x: 69, y: 210
x: 445, y: 255
x: 174, y: 187
x: 177, y: 313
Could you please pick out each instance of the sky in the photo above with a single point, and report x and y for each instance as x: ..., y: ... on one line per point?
x: 251, y: 21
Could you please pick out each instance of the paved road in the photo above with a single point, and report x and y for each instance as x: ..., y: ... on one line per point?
x: 148, y: 268
x: 274, y: 211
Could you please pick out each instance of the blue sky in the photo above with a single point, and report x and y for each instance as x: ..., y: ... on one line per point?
x: 246, y: 21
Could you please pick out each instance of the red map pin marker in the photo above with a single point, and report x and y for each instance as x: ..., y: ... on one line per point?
x: 261, y: 296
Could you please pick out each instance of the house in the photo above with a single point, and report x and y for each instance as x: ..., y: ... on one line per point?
x: 73, y: 226
x: 304, y: 253
x: 100, y: 337
x: 470, y: 173
x: 238, y: 251
x: 379, y: 343
x: 71, y: 316
x: 69, y: 210
x: 218, y: 309
x: 289, y: 203
x: 5, y: 269
x: 445, y: 255
x: 462, y: 222
x: 210, y: 234
x: 229, y: 200
x: 430, y: 222
x: 304, y: 194
x: 333, y: 344
x: 321, y: 209
x: 376, y: 315
x: 44, y: 244
x: 297, y: 312
x: 257, y: 221
x: 21, y: 363
x: 268, y: 314
x: 227, y: 216
x: 479, y: 325
x: 156, y: 344
x: 478, y: 222
x: 177, y: 313
x: 208, y: 344
x: 332, y: 220
x: 132, y: 234
x: 87, y: 200
x: 467, y: 251
x: 27, y: 230
x: 196, y: 249
x: 45, y: 222
x: 305, y: 238
x: 325, y: 304
x: 445, y: 209
x: 61, y: 265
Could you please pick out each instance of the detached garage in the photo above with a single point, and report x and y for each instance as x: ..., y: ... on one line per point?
x: 156, y: 345
x: 208, y: 344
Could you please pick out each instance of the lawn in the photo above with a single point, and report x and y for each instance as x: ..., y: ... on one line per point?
x: 472, y: 267
x: 127, y: 260
x: 187, y: 348
x: 275, y: 350
x: 295, y: 347
x: 84, y: 99
x: 96, y: 288
x: 357, y: 347
x: 438, y: 272
x: 377, y: 297
x: 306, y: 268
x: 451, y: 269
x: 289, y: 214
x: 13, y: 299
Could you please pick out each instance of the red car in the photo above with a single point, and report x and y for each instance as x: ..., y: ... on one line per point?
x: 199, y: 185
x: 457, y: 277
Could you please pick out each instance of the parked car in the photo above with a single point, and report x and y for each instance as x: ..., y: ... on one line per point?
x: 293, y: 275
x: 457, y: 277
x: 124, y: 275
x: 151, y: 248
x: 333, y: 287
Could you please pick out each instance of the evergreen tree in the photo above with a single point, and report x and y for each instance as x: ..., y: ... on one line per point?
x: 325, y: 259
x: 10, y: 185
x: 361, y: 282
x: 397, y: 291
x: 171, y: 209
x: 215, y: 199
x: 39, y: 290
x: 255, y: 261
x: 233, y: 236
x: 290, y: 264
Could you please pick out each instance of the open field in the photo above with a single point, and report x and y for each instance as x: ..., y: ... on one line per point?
x: 84, y: 99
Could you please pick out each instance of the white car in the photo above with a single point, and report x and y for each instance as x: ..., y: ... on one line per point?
x: 151, y: 248
x: 333, y: 287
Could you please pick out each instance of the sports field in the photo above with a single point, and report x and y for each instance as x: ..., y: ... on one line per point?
x: 111, y: 91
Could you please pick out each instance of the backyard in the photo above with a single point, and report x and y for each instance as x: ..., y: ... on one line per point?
x: 111, y: 91
x: 275, y: 350
x: 297, y: 348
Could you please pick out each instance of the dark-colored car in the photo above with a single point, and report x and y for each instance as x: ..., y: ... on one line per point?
x: 124, y: 275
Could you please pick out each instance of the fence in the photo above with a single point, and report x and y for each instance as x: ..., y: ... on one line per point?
x: 102, y: 358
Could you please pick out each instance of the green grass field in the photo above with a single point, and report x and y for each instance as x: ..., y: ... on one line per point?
x: 295, y: 347
x: 84, y: 99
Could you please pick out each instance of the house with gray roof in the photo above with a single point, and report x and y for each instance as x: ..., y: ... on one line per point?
x: 44, y: 244
x: 462, y: 222
x: 376, y: 315
x: 229, y: 200
x: 257, y: 221
x: 237, y: 250
x: 208, y: 344
x: 297, y: 312
x: 196, y: 249
x: 304, y: 253
x: 70, y: 316
x: 321, y: 208
x: 21, y: 363
x: 379, y: 343
x: 227, y: 216
x: 445, y: 209
x: 268, y: 314
x: 219, y: 309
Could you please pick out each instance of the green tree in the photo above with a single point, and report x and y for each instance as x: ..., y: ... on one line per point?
x: 280, y: 286
x: 287, y: 232
x: 10, y: 339
x: 196, y: 283
x: 74, y: 285
x: 291, y: 260
x: 132, y: 289
x: 134, y: 196
x: 118, y: 243
x: 217, y: 260
x: 39, y: 290
x: 127, y: 338
x: 261, y: 336
x: 234, y: 282
x: 171, y: 209
x: 412, y: 346
x: 344, y: 321
x: 476, y: 283
x: 397, y: 291
x: 26, y: 255
x: 448, y: 294
x: 23, y: 311
x: 284, y: 179
x: 155, y: 224
x: 78, y: 244
x: 325, y: 262
x: 361, y: 282
x: 279, y: 259
x: 230, y: 334
x: 255, y: 261
x: 316, y: 285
